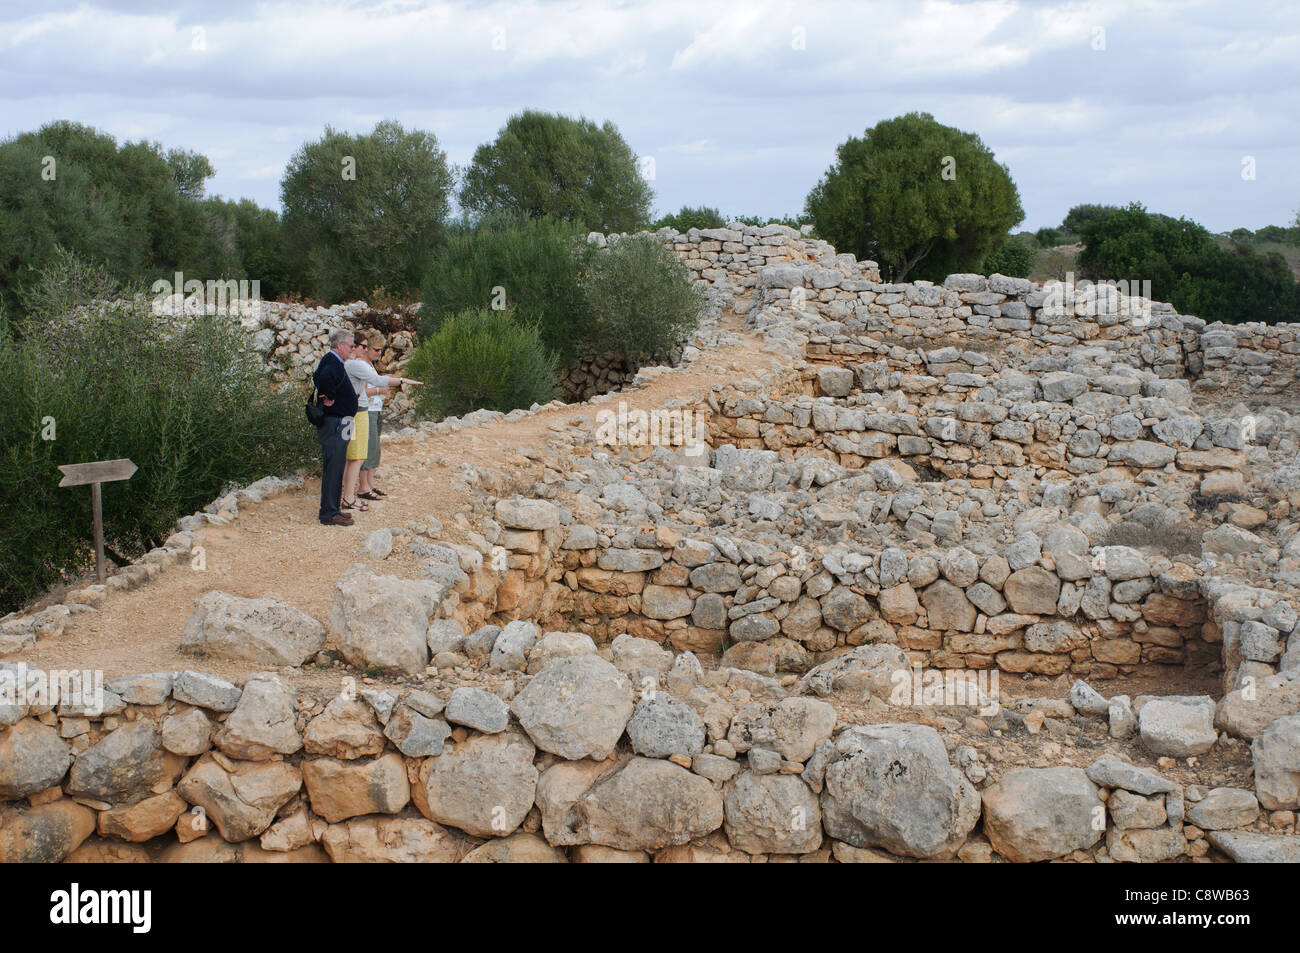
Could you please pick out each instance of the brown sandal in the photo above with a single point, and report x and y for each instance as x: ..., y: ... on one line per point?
x: 353, y: 505
x: 368, y: 495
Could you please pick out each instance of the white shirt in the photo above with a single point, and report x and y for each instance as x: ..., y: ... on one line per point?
x: 362, y: 373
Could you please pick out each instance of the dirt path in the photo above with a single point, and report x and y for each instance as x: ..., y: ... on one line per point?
x: 278, y: 547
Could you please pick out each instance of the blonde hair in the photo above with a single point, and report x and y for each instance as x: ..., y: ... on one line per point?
x: 375, y: 339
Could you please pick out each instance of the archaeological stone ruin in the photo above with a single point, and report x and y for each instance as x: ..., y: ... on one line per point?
x: 984, y: 571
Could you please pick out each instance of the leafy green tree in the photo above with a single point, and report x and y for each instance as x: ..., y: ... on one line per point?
x: 361, y: 211
x: 1188, y: 268
x: 190, y: 171
x: 71, y: 186
x: 917, y: 197
x: 547, y: 165
x: 688, y: 218
x: 791, y: 221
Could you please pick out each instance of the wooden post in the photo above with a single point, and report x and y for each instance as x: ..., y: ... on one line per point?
x: 101, y: 471
x: 97, y: 510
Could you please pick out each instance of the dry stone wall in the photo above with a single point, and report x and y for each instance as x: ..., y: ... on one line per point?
x: 693, y: 652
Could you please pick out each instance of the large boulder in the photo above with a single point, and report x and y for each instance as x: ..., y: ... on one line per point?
x: 794, y: 727
x: 383, y: 621
x: 479, y: 709
x: 403, y: 840
x: 122, y: 767
x: 576, y: 707
x: 866, y: 668
x: 32, y: 758
x: 517, y: 848
x: 262, y: 724
x: 649, y: 804
x: 265, y: 631
x: 241, y: 803
x: 1032, y: 591
x: 339, y: 790
x: 346, y: 729
x: 558, y: 791
x: 772, y: 814
x: 483, y: 786
x: 1178, y: 726
x: 661, y: 726
x: 892, y: 786
x: 1040, y: 813
x: 1245, y: 712
x: 45, y: 834
x: 1276, y: 752
x: 144, y: 820
x: 946, y: 607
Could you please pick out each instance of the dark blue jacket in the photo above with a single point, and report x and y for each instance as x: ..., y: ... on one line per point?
x: 332, y: 381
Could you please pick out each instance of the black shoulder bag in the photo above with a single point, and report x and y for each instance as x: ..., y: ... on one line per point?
x: 315, y: 412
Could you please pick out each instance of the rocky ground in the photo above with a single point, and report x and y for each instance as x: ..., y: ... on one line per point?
x: 978, y: 571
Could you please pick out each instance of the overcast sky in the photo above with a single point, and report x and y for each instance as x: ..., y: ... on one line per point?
x: 740, y: 104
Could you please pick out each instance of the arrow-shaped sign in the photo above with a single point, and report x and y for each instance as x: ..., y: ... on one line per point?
x: 101, y: 471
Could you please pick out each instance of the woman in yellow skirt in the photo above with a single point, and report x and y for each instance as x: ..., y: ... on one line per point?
x: 357, y: 449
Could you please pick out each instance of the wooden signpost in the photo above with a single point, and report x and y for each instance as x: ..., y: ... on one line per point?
x: 101, y: 471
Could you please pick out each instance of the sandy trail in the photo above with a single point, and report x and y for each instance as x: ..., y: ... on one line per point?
x: 278, y: 548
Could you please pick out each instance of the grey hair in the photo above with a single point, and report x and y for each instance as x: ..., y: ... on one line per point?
x: 339, y: 336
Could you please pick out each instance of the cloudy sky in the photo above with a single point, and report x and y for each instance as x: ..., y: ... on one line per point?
x: 740, y: 104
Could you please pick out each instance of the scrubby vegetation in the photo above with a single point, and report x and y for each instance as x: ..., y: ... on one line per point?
x: 634, y: 298
x: 480, y: 358
x: 1014, y: 258
x: 191, y: 406
x: 530, y: 267
x: 641, y: 299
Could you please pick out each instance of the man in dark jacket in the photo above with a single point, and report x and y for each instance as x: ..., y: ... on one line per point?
x: 339, y: 400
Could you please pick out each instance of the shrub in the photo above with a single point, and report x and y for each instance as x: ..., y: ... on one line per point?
x: 791, y: 221
x: 192, y: 407
x: 480, y: 358
x: 528, y: 267
x: 641, y: 298
x: 1049, y: 237
x: 917, y: 197
x: 1014, y: 259
x: 688, y: 218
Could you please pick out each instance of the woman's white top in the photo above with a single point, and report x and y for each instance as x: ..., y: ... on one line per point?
x: 362, y: 373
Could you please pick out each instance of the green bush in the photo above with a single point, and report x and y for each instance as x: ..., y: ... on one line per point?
x: 1049, y: 237
x: 641, y: 298
x: 480, y: 358
x: 688, y: 218
x: 791, y: 221
x: 531, y: 268
x: 192, y: 407
x: 1014, y: 259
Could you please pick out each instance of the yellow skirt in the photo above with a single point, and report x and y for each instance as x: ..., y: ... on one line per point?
x: 360, y: 443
